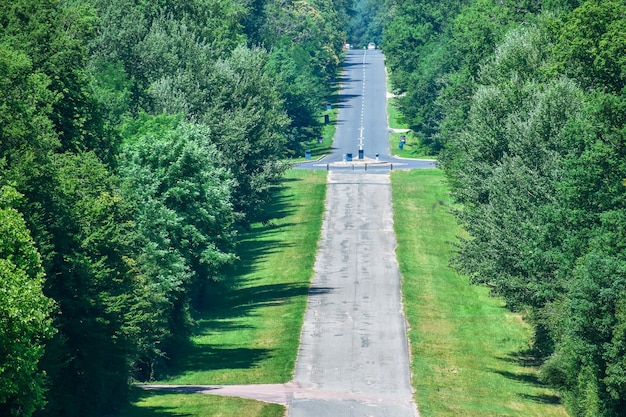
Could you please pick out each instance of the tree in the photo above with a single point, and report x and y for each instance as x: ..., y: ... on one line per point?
x: 247, y: 122
x: 366, y: 23
x: 91, y: 278
x: 592, y: 45
x: 25, y: 322
x: 183, y: 213
x: 506, y: 169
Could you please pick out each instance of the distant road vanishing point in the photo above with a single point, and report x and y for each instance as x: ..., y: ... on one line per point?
x: 353, y: 348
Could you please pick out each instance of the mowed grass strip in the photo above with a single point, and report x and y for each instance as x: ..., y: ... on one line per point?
x: 158, y: 404
x: 468, y: 351
x: 251, y: 332
x: 393, y: 114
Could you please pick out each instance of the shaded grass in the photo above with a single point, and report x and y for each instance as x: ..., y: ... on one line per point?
x: 413, y: 147
x: 250, y: 332
x: 468, y: 352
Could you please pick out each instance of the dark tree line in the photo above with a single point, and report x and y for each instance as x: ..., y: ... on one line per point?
x: 525, y: 103
x: 136, y: 138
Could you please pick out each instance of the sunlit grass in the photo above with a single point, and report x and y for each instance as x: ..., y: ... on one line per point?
x: 153, y: 404
x: 394, y: 116
x: 468, y: 351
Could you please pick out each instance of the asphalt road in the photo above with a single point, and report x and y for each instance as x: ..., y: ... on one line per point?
x: 362, y: 120
x: 353, y: 347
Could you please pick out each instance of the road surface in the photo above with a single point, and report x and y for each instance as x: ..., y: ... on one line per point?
x: 353, y: 347
x: 362, y: 120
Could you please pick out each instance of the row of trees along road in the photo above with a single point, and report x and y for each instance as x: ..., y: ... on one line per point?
x: 525, y: 102
x: 136, y: 138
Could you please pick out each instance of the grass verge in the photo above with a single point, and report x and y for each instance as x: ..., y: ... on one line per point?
x: 412, y: 147
x: 158, y: 404
x: 251, y: 332
x: 468, y: 352
x: 394, y: 116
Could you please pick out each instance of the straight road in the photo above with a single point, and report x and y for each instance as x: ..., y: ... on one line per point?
x: 353, y: 348
x: 362, y: 119
x: 353, y: 358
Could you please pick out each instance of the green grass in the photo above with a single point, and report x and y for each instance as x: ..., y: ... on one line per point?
x: 394, y: 116
x: 158, y: 404
x: 469, y: 354
x: 468, y: 351
x: 412, y: 147
x: 251, y: 333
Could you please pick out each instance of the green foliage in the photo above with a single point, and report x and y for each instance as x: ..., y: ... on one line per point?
x: 419, y: 51
x: 538, y: 167
x: 304, y: 39
x: 25, y: 322
x: 366, y: 23
x: 139, y: 133
x: 151, y: 41
x: 435, y: 52
x: 302, y: 92
x: 592, y: 44
x: 91, y: 280
x: 247, y: 121
x: 183, y: 216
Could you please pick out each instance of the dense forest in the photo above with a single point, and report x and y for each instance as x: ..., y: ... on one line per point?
x: 136, y: 138
x: 525, y: 103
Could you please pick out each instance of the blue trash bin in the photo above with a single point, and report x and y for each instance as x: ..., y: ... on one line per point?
x: 349, y: 157
x: 307, y: 154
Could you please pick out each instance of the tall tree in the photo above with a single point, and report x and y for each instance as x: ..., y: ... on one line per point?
x: 91, y: 278
x: 183, y: 213
x: 25, y: 322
